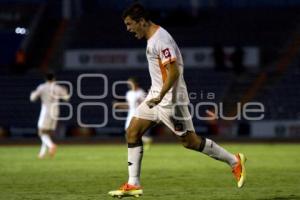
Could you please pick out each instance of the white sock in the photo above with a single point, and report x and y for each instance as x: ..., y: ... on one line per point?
x: 43, y: 149
x: 135, y: 155
x: 47, y: 140
x: 217, y: 152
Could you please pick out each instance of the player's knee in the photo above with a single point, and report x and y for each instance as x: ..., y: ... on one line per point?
x: 190, y: 141
x: 131, y: 135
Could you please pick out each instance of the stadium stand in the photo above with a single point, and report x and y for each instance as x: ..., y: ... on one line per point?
x: 281, y: 97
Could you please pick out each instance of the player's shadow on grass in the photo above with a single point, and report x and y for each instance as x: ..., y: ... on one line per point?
x: 290, y: 197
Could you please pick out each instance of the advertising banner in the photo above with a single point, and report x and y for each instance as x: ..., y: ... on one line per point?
x: 136, y: 58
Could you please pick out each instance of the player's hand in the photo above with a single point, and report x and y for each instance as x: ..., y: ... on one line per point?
x: 211, y: 114
x: 153, y: 102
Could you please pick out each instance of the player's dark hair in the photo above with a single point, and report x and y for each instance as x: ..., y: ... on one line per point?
x: 136, y: 12
x: 134, y: 80
x: 49, y: 77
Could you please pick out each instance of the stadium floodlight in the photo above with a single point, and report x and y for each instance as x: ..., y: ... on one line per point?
x: 20, y: 30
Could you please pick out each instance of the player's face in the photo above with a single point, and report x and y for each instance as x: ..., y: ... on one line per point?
x: 135, y: 27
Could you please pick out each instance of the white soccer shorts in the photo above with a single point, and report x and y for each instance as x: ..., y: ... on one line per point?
x: 177, y: 118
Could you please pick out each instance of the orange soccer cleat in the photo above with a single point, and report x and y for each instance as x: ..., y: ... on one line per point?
x: 127, y: 190
x: 239, y: 170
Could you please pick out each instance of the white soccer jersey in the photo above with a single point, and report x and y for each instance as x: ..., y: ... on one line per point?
x: 49, y: 93
x: 161, y: 50
x: 134, y: 98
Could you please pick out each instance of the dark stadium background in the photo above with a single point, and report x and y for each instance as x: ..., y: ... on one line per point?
x: 259, y: 38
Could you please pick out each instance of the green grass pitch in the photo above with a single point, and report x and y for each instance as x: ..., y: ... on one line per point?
x: 169, y: 172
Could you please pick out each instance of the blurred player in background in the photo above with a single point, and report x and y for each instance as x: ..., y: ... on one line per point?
x: 167, y: 102
x: 134, y: 97
x: 50, y: 93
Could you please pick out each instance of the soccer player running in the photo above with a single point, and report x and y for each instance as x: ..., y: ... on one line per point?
x: 167, y: 102
x: 50, y: 93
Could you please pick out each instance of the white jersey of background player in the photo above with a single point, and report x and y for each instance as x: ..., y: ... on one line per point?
x: 49, y: 93
x: 134, y: 97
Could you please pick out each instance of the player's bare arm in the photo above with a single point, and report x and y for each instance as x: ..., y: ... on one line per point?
x: 64, y: 95
x: 34, y: 95
x: 172, y: 76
